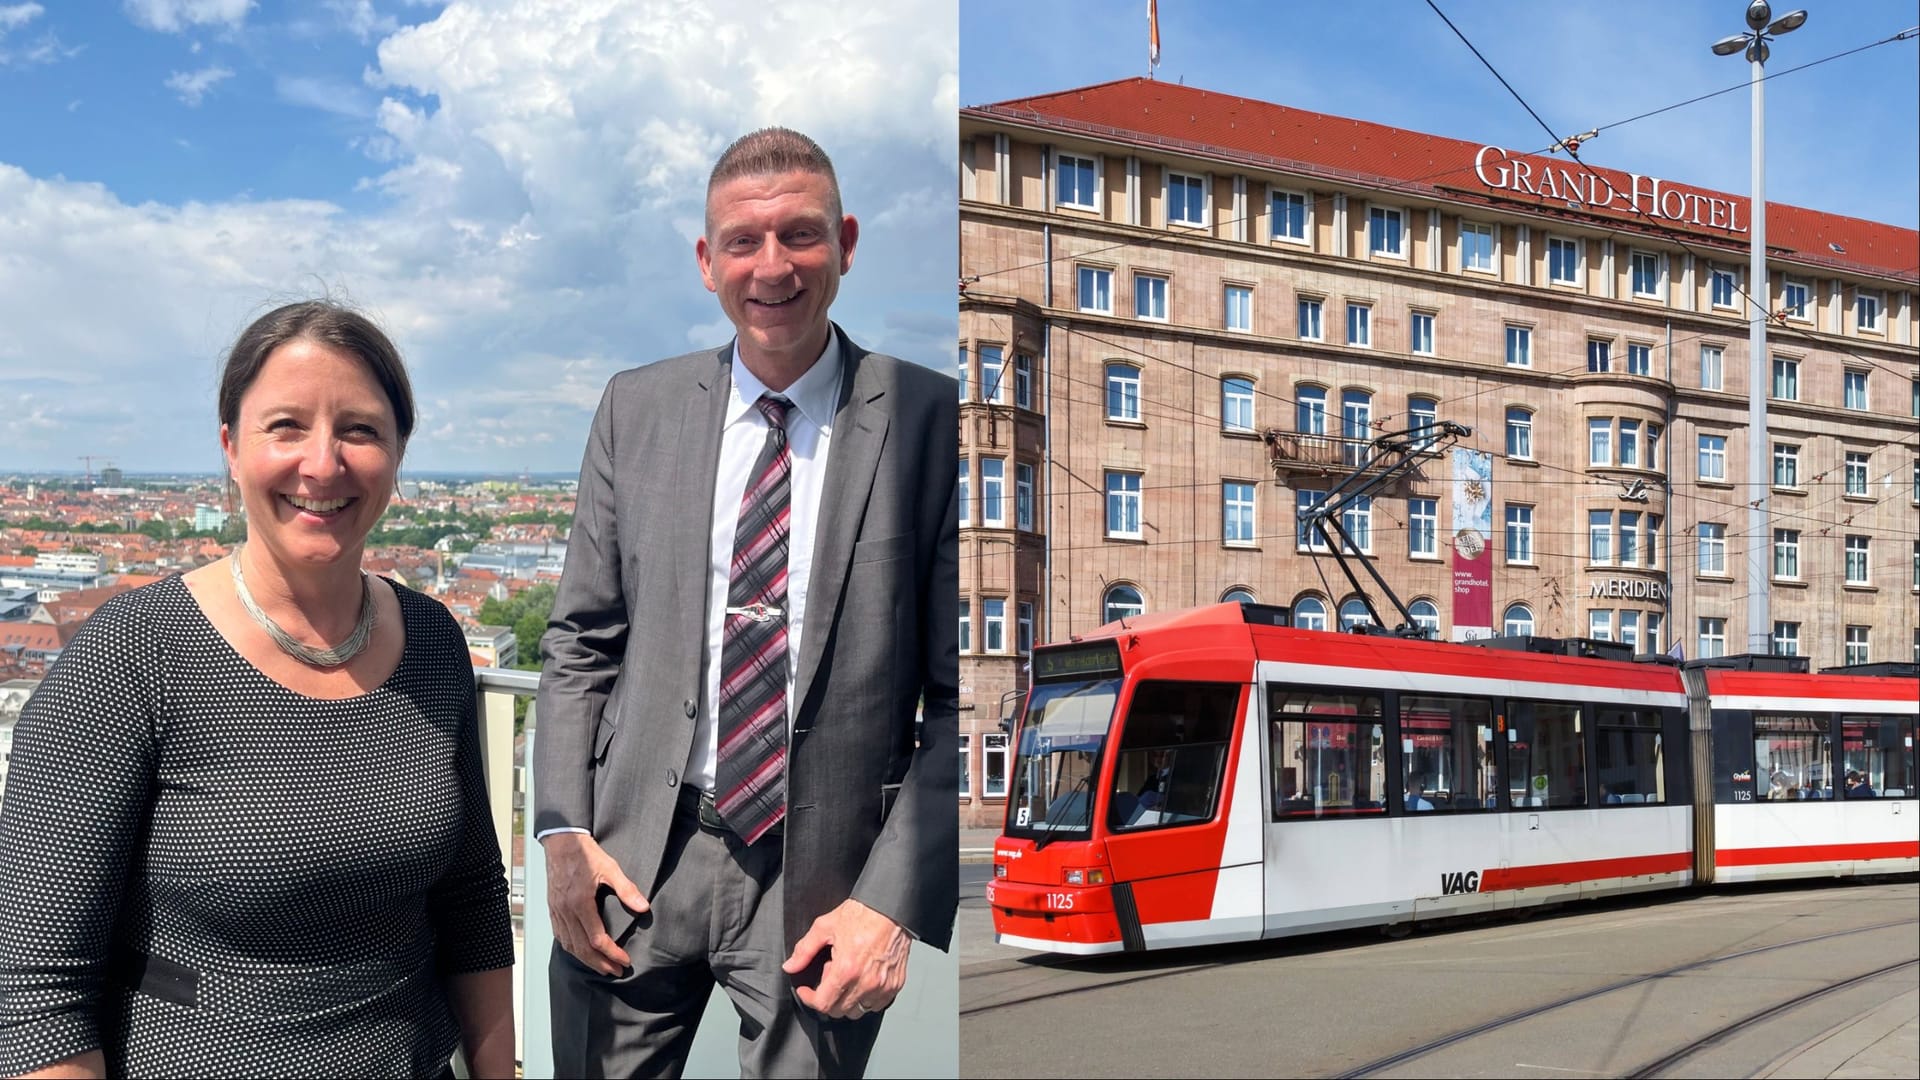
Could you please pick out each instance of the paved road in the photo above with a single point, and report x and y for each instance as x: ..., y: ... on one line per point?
x: 1330, y: 1004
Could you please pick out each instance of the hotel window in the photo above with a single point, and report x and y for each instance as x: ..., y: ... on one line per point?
x: 1305, y: 536
x: 1713, y: 638
x: 1186, y: 199
x: 1123, y: 392
x: 1724, y: 286
x: 1856, y: 473
x: 1652, y: 545
x: 1786, y: 639
x: 1600, y: 442
x: 1713, y: 549
x: 1653, y: 633
x: 1239, y: 307
x: 1423, y: 417
x: 1630, y: 443
x: 1309, y: 613
x: 1857, y: 549
x: 1713, y: 457
x: 993, y: 375
x: 1238, y: 595
x: 993, y: 766
x: 1423, y: 528
x: 1519, y: 433
x: 1357, y: 519
x: 1712, y: 367
x: 1866, y: 312
x: 1600, y: 625
x: 966, y: 776
x: 1385, y: 232
x: 1599, y: 355
x: 1786, y: 465
x: 1123, y: 602
x: 1858, y: 651
x: 1629, y: 537
x: 1476, y: 247
x: 1023, y: 497
x: 1310, y: 410
x: 1654, y: 432
x: 1236, y: 508
x: 1354, y: 613
x: 964, y: 494
x: 1359, y: 325
x: 1639, y: 359
x: 1856, y: 389
x: 1356, y: 424
x: 1149, y: 297
x: 1290, y: 216
x: 1310, y: 320
x: 962, y: 372
x: 1075, y: 188
x: 1426, y: 615
x: 1646, y: 273
x: 966, y: 626
x: 1123, y: 505
x: 1519, y: 534
x: 993, y: 492
x: 1023, y: 381
x: 1236, y: 403
x: 1599, y: 536
x: 1563, y: 260
x: 1630, y: 628
x: 1786, y: 379
x: 1916, y: 566
x: 1793, y: 300
x: 1519, y: 347
x: 1786, y: 554
x: 1420, y: 334
x: 1024, y: 640
x: 993, y: 625
x: 1916, y: 398
x: 1096, y: 290
x: 1518, y: 621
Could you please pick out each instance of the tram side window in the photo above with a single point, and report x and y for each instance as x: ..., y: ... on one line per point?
x: 1629, y: 757
x: 1173, y: 753
x: 1446, y: 753
x: 1877, y: 752
x: 1546, y: 758
x: 1793, y: 756
x: 1328, y: 759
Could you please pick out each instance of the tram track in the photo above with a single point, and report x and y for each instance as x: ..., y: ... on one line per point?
x: 1426, y: 1049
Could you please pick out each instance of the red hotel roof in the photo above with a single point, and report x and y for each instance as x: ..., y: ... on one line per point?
x: 1190, y: 120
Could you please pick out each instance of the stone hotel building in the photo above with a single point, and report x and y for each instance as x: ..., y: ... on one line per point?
x: 1185, y: 316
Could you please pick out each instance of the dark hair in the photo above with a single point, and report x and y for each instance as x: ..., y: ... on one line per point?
x: 332, y: 325
x: 773, y: 150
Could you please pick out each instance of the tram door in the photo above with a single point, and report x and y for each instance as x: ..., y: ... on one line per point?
x: 1167, y: 783
x: 1546, y: 768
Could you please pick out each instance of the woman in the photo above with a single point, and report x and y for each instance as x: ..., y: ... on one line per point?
x: 245, y: 831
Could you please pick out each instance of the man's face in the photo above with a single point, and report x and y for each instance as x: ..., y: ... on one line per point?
x: 773, y: 254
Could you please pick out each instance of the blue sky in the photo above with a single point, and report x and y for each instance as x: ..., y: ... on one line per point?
x: 1841, y: 137
x: 512, y: 188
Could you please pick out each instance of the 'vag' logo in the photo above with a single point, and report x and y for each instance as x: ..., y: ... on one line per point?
x: 1460, y: 882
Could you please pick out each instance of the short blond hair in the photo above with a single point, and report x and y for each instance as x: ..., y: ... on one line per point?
x: 771, y: 151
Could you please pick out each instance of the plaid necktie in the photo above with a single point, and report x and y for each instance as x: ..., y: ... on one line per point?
x: 750, y: 787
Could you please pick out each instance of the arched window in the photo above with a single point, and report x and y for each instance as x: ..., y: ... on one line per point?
x: 1422, y: 414
x: 1518, y: 620
x: 1426, y: 616
x: 1310, y: 613
x: 1236, y: 403
x: 1356, y: 423
x: 1519, y: 432
x: 1122, y: 602
x: 1239, y: 594
x: 1310, y: 412
x: 1353, y: 612
x: 1123, y: 392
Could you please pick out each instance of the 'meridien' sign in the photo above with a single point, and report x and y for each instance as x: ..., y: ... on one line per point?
x: 1656, y: 198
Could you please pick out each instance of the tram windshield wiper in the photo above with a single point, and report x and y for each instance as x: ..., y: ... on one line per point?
x: 1083, y: 785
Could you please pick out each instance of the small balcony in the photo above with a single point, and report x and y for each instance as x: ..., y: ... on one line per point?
x: 1299, y: 458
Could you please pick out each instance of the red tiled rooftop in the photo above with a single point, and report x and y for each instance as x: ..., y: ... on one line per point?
x: 1187, y: 119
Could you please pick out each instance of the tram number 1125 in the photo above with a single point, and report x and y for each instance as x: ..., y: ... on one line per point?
x: 1059, y: 901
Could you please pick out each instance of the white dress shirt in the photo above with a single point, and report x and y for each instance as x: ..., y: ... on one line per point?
x: 743, y: 434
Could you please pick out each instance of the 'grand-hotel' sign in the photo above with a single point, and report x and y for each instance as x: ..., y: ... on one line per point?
x: 1656, y: 198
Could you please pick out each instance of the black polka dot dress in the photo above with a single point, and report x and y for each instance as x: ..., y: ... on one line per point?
x: 204, y: 873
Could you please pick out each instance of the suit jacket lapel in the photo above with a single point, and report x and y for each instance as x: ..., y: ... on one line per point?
x: 692, y: 537
x: 859, y: 432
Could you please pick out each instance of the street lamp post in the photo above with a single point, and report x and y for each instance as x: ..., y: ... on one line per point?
x: 1762, y: 27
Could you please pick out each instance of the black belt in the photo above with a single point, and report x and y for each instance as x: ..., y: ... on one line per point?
x: 700, y: 805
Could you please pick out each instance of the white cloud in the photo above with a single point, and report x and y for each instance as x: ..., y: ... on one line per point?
x: 327, y: 95
x: 44, y: 49
x: 173, y: 16
x: 360, y: 18
x: 192, y: 86
x: 14, y: 16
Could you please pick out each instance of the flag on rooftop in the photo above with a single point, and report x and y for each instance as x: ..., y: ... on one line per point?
x: 1153, y: 36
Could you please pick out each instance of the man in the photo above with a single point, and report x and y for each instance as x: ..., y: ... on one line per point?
x: 1417, y: 795
x: 760, y: 588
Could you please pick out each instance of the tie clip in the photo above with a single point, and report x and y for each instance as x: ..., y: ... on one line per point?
x: 758, y: 612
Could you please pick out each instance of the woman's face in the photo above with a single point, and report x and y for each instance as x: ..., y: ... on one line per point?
x: 314, y: 451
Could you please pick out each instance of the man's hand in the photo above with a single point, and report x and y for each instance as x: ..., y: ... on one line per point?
x: 576, y: 870
x: 868, y: 965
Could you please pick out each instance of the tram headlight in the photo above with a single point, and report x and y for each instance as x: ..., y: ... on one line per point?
x: 1095, y: 876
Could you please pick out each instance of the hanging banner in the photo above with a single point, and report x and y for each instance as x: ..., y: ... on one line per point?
x: 1472, y: 547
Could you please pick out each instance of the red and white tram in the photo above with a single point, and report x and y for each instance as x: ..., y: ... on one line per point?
x: 1216, y: 775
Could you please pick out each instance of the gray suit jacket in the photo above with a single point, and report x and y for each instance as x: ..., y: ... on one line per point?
x: 872, y: 803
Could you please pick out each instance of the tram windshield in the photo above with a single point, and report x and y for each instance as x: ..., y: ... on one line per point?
x: 1058, y: 757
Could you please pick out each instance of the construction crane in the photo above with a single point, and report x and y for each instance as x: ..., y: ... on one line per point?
x: 89, y: 458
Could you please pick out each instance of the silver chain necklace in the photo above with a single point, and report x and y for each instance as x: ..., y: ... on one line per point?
x: 307, y: 654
